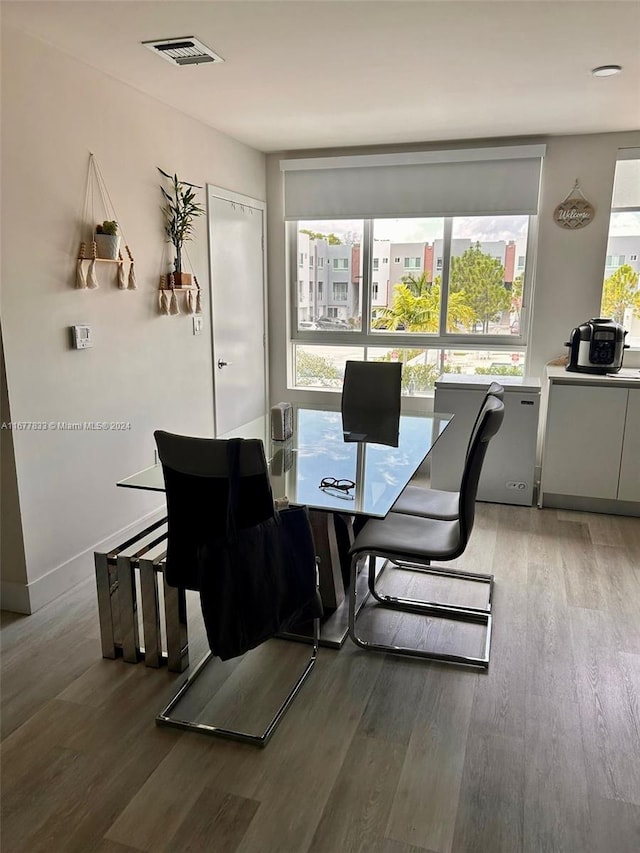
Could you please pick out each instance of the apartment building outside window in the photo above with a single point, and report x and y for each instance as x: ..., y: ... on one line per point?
x: 411, y: 263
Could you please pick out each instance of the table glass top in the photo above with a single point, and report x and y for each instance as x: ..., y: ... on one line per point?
x: 320, y: 451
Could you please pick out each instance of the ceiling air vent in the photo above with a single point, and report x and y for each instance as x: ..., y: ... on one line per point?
x: 186, y: 50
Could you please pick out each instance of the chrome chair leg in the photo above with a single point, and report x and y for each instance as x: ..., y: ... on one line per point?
x: 470, y: 614
x: 477, y: 615
x: 164, y: 718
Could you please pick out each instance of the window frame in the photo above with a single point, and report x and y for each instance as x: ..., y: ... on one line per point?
x: 634, y: 208
x: 367, y: 337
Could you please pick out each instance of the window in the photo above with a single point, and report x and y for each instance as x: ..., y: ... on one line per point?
x: 481, y: 298
x: 301, y: 260
x: 310, y: 260
x: 621, y: 285
x: 340, y: 291
x: 320, y: 262
x: 456, y: 291
x: 461, y: 261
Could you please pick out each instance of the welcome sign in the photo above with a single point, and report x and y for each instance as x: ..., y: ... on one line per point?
x: 575, y: 211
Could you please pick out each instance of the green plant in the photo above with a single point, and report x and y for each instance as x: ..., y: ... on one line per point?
x: 312, y: 369
x: 500, y: 370
x: 180, y: 210
x: 109, y: 226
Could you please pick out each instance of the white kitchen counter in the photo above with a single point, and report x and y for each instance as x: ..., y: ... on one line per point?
x: 591, y: 452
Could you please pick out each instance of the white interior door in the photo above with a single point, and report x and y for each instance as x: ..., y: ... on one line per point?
x: 238, y: 301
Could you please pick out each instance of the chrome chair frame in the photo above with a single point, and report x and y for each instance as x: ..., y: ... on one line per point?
x: 164, y: 718
x: 480, y: 615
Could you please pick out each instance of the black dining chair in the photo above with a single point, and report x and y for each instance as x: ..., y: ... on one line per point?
x: 371, y: 396
x: 220, y: 503
x: 406, y: 540
x: 438, y: 503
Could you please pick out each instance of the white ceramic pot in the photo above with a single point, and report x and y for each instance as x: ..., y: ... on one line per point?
x: 107, y: 246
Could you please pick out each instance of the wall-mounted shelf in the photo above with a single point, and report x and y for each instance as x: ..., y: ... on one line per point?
x: 177, y: 288
x: 88, y: 253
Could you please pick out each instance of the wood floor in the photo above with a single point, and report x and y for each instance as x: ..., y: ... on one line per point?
x: 377, y: 754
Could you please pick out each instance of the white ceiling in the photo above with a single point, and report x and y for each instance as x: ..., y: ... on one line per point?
x: 324, y: 74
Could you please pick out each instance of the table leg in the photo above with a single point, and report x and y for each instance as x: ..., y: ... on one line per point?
x: 328, y: 552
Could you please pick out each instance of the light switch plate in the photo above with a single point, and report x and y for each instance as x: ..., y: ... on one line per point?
x: 197, y: 325
x: 81, y: 337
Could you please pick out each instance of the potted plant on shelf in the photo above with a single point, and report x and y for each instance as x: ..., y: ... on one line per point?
x: 180, y: 210
x: 107, y: 240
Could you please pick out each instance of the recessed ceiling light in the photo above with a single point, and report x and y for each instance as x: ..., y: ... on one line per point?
x: 606, y: 70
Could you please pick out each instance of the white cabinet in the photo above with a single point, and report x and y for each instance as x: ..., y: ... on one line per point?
x: 591, y: 450
x: 508, y: 473
x: 629, y: 488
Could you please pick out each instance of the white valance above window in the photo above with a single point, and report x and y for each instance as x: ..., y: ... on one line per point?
x: 462, y: 182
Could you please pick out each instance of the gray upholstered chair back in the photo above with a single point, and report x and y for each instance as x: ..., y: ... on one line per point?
x: 489, y: 422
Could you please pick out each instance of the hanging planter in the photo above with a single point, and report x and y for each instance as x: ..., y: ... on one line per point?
x: 107, y: 240
x: 180, y: 210
x: 104, y: 241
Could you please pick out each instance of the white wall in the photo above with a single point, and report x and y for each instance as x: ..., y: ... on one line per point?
x: 569, y: 264
x: 146, y: 369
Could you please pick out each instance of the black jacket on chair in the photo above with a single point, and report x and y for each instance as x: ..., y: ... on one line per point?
x: 254, y: 567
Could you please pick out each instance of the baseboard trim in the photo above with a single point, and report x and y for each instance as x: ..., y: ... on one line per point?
x: 27, y: 599
x: 14, y: 597
x: 580, y: 504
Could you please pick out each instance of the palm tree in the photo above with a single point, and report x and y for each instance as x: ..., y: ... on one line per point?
x: 416, y: 307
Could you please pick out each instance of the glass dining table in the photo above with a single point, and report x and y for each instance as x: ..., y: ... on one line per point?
x: 339, y: 476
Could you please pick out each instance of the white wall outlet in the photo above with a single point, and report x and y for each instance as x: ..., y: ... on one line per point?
x: 197, y: 325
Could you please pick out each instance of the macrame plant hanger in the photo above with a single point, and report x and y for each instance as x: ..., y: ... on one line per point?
x: 167, y: 299
x: 193, y: 299
x: 168, y: 294
x: 87, y: 278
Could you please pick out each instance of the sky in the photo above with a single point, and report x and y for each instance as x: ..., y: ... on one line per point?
x: 482, y: 228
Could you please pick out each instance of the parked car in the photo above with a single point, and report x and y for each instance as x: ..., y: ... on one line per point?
x: 332, y: 323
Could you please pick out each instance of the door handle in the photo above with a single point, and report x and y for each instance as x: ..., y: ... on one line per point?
x: 222, y: 363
